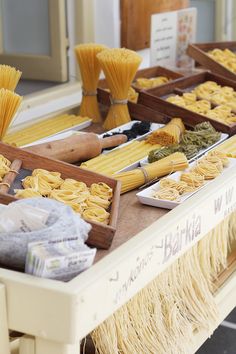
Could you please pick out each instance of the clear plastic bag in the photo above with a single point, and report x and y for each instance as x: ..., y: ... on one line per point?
x: 62, y: 222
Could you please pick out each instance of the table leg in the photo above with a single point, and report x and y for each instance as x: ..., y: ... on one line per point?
x: 4, y: 334
x: 43, y: 346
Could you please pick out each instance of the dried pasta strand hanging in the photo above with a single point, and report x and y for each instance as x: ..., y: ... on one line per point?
x: 120, y: 66
x: 9, y: 77
x: 9, y: 104
x: 90, y: 69
x: 163, y: 316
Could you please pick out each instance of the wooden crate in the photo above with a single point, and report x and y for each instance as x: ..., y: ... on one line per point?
x: 155, y: 71
x: 101, y: 235
x: 199, y: 51
x: 155, y: 99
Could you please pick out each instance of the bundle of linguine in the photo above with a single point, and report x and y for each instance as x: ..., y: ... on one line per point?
x: 119, y: 66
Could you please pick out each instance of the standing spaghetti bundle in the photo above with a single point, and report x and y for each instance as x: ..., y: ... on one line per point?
x: 90, y: 70
x: 120, y: 66
x: 9, y: 104
x: 9, y: 77
x: 136, y: 178
x: 170, y: 134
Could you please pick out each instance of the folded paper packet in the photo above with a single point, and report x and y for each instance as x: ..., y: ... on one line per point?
x: 62, y: 222
x: 62, y: 259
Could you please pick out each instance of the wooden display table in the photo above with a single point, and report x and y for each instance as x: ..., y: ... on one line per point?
x: 56, y: 316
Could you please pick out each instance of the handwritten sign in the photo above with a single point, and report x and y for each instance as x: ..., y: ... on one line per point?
x: 171, y: 32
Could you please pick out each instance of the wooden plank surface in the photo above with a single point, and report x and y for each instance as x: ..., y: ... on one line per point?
x: 136, y: 19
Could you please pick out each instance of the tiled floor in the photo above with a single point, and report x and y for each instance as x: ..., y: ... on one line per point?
x: 223, y: 340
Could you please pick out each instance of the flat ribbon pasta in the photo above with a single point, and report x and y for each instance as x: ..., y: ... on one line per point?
x: 97, y: 214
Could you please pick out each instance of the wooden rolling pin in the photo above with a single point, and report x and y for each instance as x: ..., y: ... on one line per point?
x: 77, y: 147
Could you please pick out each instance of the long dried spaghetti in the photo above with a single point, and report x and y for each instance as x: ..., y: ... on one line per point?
x: 170, y: 134
x: 9, y: 104
x: 136, y: 178
x: 9, y: 77
x: 90, y: 69
x: 119, y: 66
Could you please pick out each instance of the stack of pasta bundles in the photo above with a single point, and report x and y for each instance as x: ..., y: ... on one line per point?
x: 119, y: 66
x: 208, y: 94
x: 225, y: 57
x: 9, y: 101
x: 207, y: 168
x: 164, y: 316
x: 91, y: 202
x: 90, y: 70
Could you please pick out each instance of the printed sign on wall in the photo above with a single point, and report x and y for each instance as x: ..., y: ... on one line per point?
x: 171, y: 32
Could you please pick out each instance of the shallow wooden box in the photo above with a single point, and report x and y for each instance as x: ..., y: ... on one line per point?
x: 155, y: 100
x: 155, y: 71
x: 198, y: 52
x: 101, y: 235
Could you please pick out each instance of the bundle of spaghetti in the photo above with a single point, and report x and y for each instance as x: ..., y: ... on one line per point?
x: 139, y: 176
x: 217, y: 161
x: 9, y: 77
x: 166, y: 193
x: 228, y: 147
x: 90, y: 70
x: 181, y: 186
x: 220, y: 155
x: 120, y: 158
x: 120, y: 66
x: 4, y: 166
x: 178, y: 302
x: 170, y: 134
x: 144, y: 83
x: 9, y: 104
x: 225, y: 57
x: 206, y: 169
x: 193, y: 180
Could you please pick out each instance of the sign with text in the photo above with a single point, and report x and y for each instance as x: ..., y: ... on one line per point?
x: 171, y: 32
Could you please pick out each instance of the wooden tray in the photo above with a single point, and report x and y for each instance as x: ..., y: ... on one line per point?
x: 198, y: 53
x: 24, y: 162
x: 155, y: 100
x: 155, y: 71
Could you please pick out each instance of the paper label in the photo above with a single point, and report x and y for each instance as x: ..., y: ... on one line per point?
x: 171, y: 32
